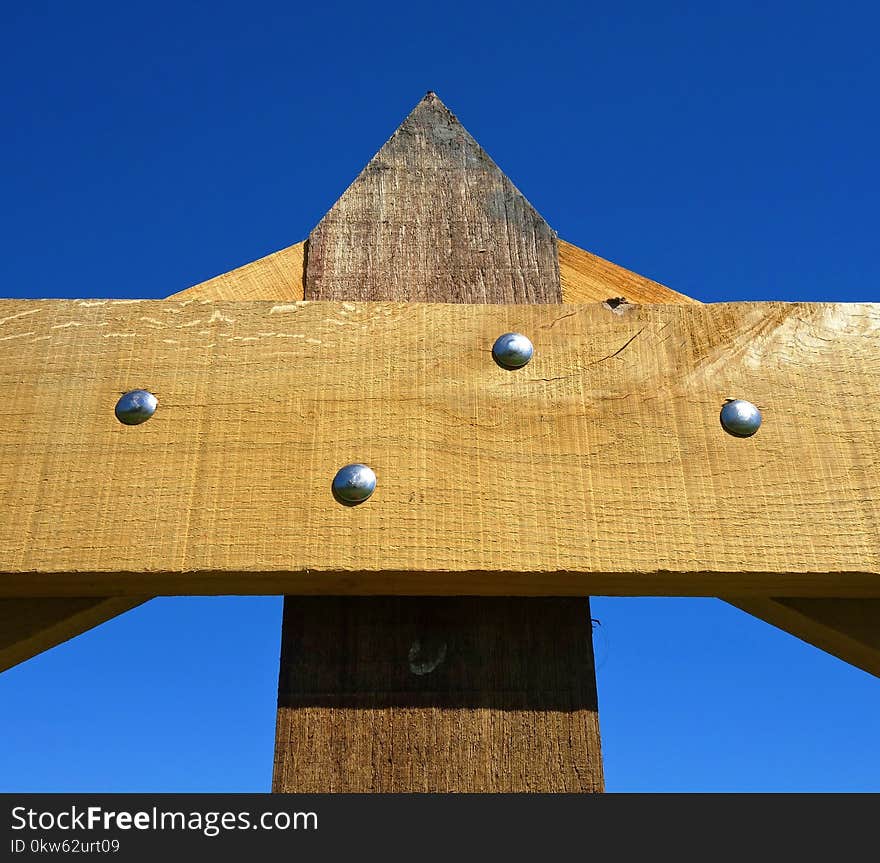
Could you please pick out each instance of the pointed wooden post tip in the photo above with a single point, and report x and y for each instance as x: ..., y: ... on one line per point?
x: 431, y: 218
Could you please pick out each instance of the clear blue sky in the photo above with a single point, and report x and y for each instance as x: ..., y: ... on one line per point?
x: 730, y: 152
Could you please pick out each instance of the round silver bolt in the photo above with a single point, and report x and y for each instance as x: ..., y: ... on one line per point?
x: 353, y: 484
x: 136, y: 407
x: 512, y: 350
x: 740, y: 418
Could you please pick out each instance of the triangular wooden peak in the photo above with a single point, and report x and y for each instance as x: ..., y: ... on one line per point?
x: 431, y: 217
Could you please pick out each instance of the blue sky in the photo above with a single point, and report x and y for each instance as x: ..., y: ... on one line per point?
x: 729, y: 151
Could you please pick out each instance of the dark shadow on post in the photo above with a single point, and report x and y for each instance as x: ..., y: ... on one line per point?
x: 505, y: 653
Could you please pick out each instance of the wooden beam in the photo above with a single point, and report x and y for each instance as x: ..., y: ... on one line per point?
x: 846, y: 628
x: 587, y: 278
x: 30, y: 626
x: 278, y: 276
x: 412, y: 694
x: 616, y: 416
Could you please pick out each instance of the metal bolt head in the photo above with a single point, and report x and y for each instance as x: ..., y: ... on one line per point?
x: 136, y: 407
x: 740, y: 418
x: 512, y: 350
x: 425, y: 655
x: 353, y: 484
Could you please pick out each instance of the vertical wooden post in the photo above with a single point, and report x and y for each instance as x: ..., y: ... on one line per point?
x: 404, y: 694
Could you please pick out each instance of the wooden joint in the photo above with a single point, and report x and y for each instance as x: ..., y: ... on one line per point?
x: 600, y: 467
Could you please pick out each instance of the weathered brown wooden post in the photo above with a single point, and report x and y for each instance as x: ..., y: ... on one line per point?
x: 435, y: 693
x: 449, y: 645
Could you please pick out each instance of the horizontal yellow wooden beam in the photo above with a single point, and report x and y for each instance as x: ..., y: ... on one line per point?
x: 29, y: 626
x: 601, y: 467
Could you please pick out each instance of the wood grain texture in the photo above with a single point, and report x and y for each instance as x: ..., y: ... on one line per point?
x: 32, y: 626
x: 419, y: 694
x: 846, y: 628
x: 587, y: 278
x: 278, y: 276
x: 432, y: 219
x: 41, y: 624
x: 617, y: 416
x: 435, y: 694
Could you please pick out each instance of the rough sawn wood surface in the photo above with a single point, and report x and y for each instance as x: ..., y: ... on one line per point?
x: 511, y: 704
